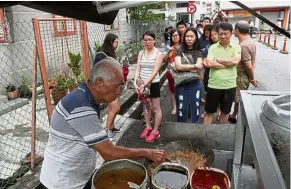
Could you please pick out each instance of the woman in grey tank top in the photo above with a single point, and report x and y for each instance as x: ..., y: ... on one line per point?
x: 148, y: 66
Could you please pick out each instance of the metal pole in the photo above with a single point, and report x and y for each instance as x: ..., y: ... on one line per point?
x: 42, y: 67
x: 33, y: 101
x: 120, y: 5
x: 85, y: 49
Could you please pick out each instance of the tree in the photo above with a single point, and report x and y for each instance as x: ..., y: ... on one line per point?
x: 145, y: 12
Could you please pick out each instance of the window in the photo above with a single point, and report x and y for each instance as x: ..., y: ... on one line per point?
x: 64, y: 26
x: 3, y: 27
x: 183, y: 16
x: 114, y: 26
x: 181, y: 5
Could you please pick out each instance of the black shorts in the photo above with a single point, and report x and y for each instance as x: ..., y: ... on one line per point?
x: 155, y: 90
x: 222, y: 97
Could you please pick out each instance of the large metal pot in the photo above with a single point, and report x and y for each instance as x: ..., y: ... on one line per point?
x: 170, y: 166
x: 121, y: 164
x: 275, y: 117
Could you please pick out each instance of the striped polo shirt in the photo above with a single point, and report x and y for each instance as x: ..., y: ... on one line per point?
x: 69, y: 157
x: 147, y: 64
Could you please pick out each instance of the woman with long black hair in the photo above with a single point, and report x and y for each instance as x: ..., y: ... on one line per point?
x: 108, y: 48
x: 188, y: 61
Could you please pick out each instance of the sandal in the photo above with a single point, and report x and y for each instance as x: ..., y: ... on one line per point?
x: 146, y: 132
x: 202, y: 116
x: 153, y: 136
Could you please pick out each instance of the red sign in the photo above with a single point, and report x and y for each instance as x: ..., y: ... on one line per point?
x: 191, y: 9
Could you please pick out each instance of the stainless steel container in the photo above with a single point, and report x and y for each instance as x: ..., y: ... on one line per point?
x: 167, y: 166
x: 276, y: 120
x: 121, y: 164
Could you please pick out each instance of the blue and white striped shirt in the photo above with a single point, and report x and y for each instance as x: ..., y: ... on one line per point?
x: 69, y: 157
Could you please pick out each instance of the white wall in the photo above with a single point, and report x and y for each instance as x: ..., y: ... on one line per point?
x: 173, y: 11
x: 226, y: 5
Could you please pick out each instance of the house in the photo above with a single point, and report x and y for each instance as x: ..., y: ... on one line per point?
x: 272, y: 10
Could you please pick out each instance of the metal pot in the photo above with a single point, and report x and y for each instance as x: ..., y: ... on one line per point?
x: 121, y: 164
x: 171, y: 166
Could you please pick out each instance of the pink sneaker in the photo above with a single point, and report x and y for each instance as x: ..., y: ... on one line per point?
x: 153, y: 136
x: 146, y: 132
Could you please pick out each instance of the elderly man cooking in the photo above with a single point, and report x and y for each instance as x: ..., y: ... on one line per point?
x: 76, y: 133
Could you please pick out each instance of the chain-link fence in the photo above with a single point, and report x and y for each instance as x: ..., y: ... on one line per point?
x: 40, y: 62
x: 17, y: 55
x: 24, y: 123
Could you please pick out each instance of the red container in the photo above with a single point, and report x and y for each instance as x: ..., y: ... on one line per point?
x: 209, y: 178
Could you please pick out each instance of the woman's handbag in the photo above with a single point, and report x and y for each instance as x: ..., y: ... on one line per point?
x: 181, y: 77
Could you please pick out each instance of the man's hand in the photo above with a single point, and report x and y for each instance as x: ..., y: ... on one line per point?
x: 199, y: 66
x: 254, y: 82
x: 206, y: 63
x: 157, y: 156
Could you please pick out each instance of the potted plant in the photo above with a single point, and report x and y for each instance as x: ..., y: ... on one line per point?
x: 11, y: 91
x: 61, y: 88
x: 24, y: 90
x: 71, y: 84
x: 75, y: 64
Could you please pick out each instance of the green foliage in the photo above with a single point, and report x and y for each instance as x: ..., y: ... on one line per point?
x: 24, y: 90
x: 10, y: 88
x: 62, y: 82
x: 81, y: 77
x: 127, y: 53
x: 145, y: 12
x: 75, y: 64
x: 97, y: 46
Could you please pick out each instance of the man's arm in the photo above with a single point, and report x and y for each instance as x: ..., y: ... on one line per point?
x: 249, y: 69
x: 108, y: 151
x: 85, y: 122
x: 234, y: 61
x: 229, y: 61
x: 210, y: 61
x: 213, y: 64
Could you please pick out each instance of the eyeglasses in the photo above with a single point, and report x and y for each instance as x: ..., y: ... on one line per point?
x: 175, y: 35
x: 147, y: 40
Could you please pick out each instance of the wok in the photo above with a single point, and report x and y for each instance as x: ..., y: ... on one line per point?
x: 174, y: 146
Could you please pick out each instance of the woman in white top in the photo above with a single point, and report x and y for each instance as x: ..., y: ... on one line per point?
x: 148, y: 66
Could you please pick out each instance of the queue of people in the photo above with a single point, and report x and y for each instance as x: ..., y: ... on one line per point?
x: 208, y: 62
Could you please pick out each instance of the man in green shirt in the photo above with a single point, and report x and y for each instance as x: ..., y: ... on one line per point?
x: 222, y: 59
